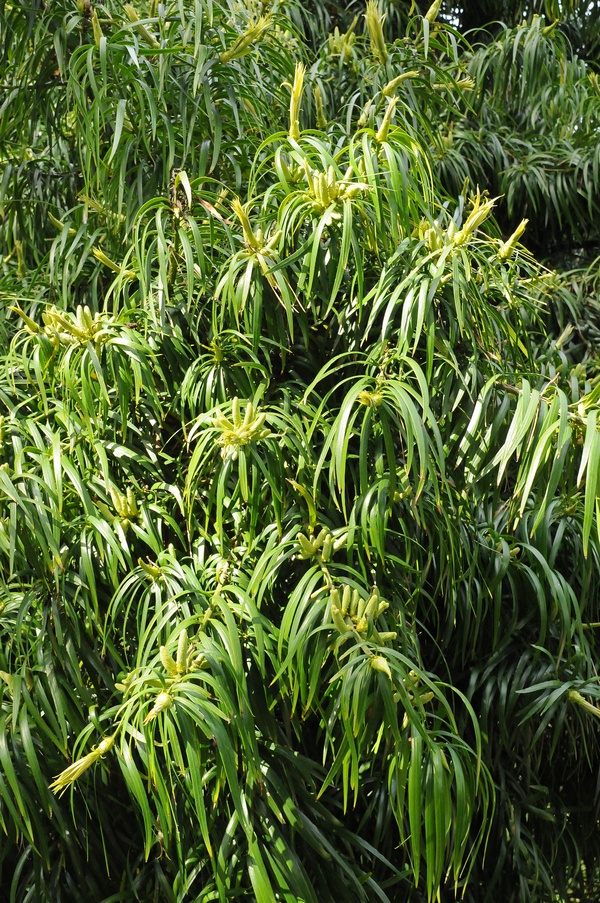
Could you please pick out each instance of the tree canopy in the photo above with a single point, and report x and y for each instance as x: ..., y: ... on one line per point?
x: 300, y: 451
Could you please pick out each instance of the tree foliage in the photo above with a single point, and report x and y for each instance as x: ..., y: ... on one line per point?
x: 299, y: 517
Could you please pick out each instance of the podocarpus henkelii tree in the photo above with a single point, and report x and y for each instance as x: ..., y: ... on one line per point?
x: 298, y: 488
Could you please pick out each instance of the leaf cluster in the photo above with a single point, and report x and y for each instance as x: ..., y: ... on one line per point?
x: 300, y: 456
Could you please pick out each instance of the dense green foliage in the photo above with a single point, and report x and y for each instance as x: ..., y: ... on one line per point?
x: 299, y: 492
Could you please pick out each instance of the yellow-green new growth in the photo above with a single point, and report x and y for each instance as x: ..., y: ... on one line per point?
x: 168, y: 662
x: 578, y: 699
x: 254, y: 241
x: 99, y: 254
x: 395, y: 83
x: 327, y: 548
x: 124, y: 503
x: 370, y: 399
x: 307, y: 546
x: 374, y: 19
x: 476, y: 217
x: 323, y: 544
x: 240, y: 430
x: 466, y: 83
x: 507, y: 247
x: 384, y: 128
x: 325, y: 190
x: 152, y: 570
x: 379, y: 663
x: 183, y: 646
x: 295, y: 101
x: 251, y: 240
x: 351, y: 611
x: 163, y: 701
x: 432, y: 13
x: 175, y: 668
x: 96, y: 29
x: 74, y: 771
x: 65, y: 328
x: 30, y: 325
x: 341, y: 44
x: 320, y: 118
x: 134, y: 18
x: 79, y: 328
x: 336, y: 612
x: 244, y: 42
